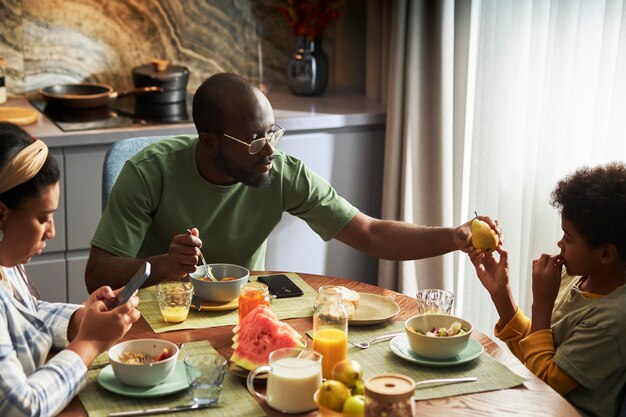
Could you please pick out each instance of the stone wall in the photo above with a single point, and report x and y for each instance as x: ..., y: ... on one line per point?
x: 53, y: 41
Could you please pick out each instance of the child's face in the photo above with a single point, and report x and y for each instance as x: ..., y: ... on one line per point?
x: 580, y: 257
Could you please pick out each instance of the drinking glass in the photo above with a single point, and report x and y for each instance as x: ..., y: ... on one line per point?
x: 434, y: 301
x: 293, y: 377
x: 205, y: 374
x: 174, y: 300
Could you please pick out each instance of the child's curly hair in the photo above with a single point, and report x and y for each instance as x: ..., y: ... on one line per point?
x: 594, y: 200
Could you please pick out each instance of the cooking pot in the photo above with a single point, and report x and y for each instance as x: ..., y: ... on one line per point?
x: 87, y: 95
x: 159, y: 73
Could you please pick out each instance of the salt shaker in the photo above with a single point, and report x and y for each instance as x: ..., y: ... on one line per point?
x: 389, y: 395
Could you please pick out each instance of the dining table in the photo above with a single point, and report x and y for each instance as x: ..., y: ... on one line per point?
x: 532, y: 397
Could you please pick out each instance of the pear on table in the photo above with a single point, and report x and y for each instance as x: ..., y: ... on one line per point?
x: 483, y: 236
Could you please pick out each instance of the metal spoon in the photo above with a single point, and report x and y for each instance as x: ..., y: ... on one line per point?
x: 376, y: 339
x: 447, y: 380
x: 208, y: 274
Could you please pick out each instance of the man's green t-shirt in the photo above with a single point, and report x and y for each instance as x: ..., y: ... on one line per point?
x: 160, y: 193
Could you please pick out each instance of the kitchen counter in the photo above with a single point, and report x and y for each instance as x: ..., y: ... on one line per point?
x: 334, y: 110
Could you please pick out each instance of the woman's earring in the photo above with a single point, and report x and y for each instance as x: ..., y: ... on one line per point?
x: 1, y: 235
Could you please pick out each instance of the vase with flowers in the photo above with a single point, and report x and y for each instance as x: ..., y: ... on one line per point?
x: 307, y: 70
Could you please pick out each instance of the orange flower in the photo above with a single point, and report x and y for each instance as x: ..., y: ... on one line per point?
x: 310, y: 17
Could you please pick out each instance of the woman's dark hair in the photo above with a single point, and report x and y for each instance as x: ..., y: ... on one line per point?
x: 12, y: 140
x: 594, y: 200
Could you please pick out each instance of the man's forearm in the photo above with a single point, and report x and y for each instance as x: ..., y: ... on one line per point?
x: 397, y: 240
x: 402, y: 241
x: 104, y: 268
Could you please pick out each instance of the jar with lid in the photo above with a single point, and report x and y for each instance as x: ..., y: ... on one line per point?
x: 251, y: 295
x: 3, y: 88
x: 389, y: 395
x: 330, y: 328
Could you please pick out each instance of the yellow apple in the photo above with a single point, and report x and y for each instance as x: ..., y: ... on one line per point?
x: 333, y: 394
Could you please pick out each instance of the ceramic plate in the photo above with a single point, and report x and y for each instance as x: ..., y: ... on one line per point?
x: 214, y: 306
x: 373, y: 309
x: 243, y: 373
x: 400, y: 346
x: 176, y: 382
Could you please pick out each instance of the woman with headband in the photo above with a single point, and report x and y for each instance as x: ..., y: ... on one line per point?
x: 31, y: 328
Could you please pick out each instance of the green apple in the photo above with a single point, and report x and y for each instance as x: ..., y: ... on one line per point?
x: 348, y: 371
x: 359, y: 388
x: 333, y: 394
x: 355, y: 405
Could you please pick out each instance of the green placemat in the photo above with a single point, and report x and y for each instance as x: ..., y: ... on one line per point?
x: 284, y: 308
x: 235, y: 401
x: 378, y: 359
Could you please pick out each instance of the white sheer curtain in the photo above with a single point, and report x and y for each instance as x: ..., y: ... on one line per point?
x: 546, y: 93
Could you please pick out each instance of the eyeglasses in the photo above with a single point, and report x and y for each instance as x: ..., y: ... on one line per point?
x: 272, y: 137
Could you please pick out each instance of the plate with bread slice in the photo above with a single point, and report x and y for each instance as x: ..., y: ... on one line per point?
x: 373, y: 309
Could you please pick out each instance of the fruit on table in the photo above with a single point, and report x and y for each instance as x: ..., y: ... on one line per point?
x: 359, y: 388
x: 483, y: 236
x: 333, y: 394
x: 355, y: 405
x: 260, y: 333
x: 348, y: 371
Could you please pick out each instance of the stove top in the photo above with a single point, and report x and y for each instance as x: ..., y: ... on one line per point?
x: 124, y: 111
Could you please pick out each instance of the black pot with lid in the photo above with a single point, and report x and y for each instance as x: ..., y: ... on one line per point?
x: 160, y: 73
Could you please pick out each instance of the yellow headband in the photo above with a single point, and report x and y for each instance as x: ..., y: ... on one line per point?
x: 24, y: 166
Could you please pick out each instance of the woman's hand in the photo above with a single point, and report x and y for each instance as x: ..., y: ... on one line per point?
x: 101, y: 328
x: 104, y: 293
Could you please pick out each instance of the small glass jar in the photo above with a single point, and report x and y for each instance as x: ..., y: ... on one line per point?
x: 330, y: 329
x: 251, y: 295
x: 389, y: 395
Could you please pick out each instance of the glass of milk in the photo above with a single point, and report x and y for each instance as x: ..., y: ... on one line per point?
x: 293, y: 376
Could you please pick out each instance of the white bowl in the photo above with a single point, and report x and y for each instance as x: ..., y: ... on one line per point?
x: 145, y: 375
x: 219, y: 291
x: 441, y: 347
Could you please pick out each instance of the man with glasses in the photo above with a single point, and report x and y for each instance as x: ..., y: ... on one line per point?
x: 224, y: 191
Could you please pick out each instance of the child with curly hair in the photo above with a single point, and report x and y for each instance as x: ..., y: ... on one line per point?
x: 576, y: 341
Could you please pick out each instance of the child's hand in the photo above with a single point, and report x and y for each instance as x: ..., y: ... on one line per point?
x: 492, y: 272
x: 546, y: 279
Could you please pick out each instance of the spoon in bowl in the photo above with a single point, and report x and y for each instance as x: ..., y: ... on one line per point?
x: 208, y: 274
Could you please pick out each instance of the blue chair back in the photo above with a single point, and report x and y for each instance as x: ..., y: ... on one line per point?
x: 115, y: 158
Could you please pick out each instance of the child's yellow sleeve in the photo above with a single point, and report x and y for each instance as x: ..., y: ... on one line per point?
x: 538, y: 350
x: 512, y: 332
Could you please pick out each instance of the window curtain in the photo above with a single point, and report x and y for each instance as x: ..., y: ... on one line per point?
x: 489, y: 104
x: 417, y: 87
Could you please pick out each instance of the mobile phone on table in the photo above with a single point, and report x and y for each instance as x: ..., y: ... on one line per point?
x: 281, y: 285
x: 133, y: 285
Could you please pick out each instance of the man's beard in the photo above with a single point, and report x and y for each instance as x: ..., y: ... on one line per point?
x: 243, y: 175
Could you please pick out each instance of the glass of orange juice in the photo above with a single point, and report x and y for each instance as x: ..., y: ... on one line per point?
x: 174, y: 300
x: 330, y: 329
x: 251, y: 295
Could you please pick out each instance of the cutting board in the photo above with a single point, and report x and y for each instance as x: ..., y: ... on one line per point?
x: 18, y: 115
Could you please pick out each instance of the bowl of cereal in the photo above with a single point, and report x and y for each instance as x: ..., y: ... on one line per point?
x: 229, y: 277
x: 143, y: 362
x: 437, y: 336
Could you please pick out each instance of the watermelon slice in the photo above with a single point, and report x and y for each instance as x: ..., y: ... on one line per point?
x: 259, y: 333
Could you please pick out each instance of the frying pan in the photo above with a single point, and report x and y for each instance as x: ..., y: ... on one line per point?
x: 87, y: 95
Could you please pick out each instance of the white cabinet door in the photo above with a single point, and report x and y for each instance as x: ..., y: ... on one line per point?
x: 83, y: 169
x: 351, y: 160
x: 48, y: 274
x: 76, y: 288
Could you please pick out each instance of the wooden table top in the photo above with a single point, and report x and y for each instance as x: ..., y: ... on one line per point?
x: 533, y: 398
